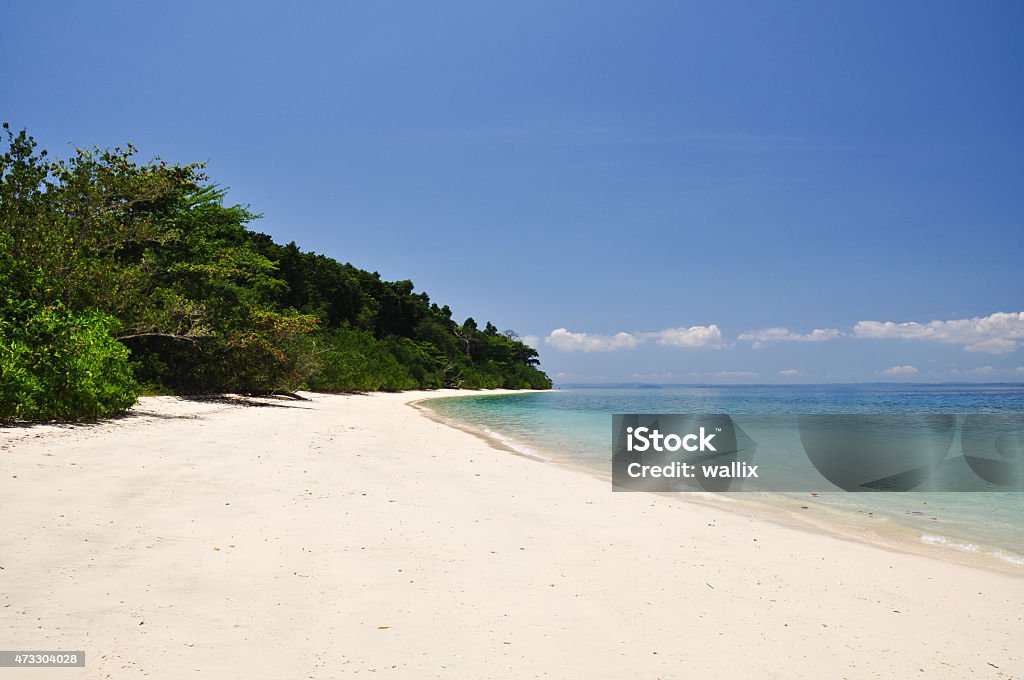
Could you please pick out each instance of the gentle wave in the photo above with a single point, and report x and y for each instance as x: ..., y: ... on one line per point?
x: 515, y: 445
x: 946, y: 542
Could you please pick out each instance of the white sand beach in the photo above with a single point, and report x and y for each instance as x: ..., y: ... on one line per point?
x: 354, y: 536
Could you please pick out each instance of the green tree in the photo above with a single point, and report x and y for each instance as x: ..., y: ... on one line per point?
x: 108, y: 259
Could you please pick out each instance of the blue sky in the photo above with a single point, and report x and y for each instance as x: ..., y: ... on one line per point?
x: 650, y: 191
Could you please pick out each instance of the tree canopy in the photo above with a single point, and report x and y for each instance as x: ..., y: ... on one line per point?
x: 120, y: 276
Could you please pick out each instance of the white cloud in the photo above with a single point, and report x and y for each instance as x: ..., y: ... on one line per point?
x: 1019, y: 369
x: 898, y: 371
x: 998, y: 333
x: 567, y: 341
x: 789, y: 373
x: 980, y: 370
x: 766, y: 336
x: 695, y: 336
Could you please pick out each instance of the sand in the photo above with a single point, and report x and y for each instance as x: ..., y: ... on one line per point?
x: 352, y: 535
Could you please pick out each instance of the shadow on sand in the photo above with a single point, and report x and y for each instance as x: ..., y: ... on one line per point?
x: 277, y: 400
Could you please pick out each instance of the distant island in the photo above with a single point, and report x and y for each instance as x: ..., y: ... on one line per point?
x: 120, y: 277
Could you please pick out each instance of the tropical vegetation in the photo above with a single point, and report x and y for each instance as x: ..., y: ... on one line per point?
x: 120, y: 277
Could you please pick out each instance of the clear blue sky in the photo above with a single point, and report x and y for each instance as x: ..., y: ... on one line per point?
x: 599, y: 168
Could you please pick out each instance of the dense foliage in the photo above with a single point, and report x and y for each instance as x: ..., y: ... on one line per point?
x: 118, y: 276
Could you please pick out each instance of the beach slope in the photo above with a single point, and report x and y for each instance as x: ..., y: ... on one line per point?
x: 352, y: 535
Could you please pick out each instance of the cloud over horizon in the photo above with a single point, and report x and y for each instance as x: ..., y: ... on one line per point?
x: 980, y: 370
x: 766, y: 336
x: 998, y: 333
x: 898, y: 371
x: 567, y: 341
x: 705, y: 337
x: 694, y: 336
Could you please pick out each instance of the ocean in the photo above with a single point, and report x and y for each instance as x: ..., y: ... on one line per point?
x: 572, y: 425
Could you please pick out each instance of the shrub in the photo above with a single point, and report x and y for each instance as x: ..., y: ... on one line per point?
x: 55, y: 365
x: 355, y: 361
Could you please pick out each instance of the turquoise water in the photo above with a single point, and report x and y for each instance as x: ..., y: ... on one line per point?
x: 574, y: 424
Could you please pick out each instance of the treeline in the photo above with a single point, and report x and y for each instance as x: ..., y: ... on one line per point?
x: 119, y: 277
